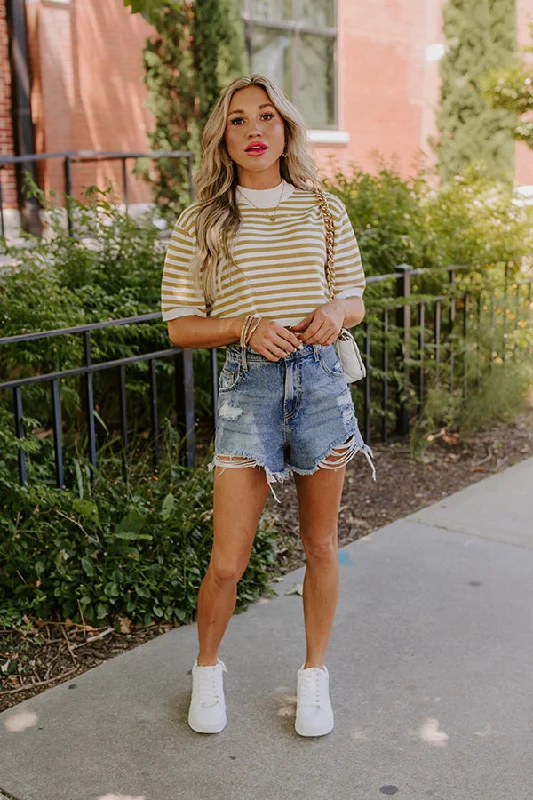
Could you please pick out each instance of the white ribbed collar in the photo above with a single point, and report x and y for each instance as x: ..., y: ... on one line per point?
x: 265, y: 198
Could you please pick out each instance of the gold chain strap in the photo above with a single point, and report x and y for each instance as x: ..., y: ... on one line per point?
x: 330, y: 239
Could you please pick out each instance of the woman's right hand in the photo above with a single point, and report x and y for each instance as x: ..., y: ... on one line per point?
x: 272, y: 340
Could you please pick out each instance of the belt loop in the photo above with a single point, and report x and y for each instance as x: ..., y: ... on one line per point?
x: 244, y: 362
x: 316, y: 350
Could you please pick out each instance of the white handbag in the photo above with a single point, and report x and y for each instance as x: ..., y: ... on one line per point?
x: 345, y: 345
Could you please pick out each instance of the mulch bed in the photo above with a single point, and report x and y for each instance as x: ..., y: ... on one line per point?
x: 47, y: 653
x: 404, y: 485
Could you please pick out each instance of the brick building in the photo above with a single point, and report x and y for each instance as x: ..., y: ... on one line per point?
x: 364, y: 72
x: 7, y: 175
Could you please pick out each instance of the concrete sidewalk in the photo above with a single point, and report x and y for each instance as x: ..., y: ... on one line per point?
x: 431, y: 663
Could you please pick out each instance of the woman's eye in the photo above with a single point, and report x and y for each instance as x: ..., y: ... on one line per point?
x: 239, y: 120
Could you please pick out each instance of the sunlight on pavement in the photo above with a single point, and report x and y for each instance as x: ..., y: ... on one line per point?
x: 287, y: 701
x: 429, y: 733
x: 21, y: 721
x: 486, y: 731
x: 121, y: 797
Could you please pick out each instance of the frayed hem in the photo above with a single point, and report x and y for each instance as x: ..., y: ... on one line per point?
x: 222, y: 461
x: 352, y: 448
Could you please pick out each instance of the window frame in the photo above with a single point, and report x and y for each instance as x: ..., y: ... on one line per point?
x: 295, y: 27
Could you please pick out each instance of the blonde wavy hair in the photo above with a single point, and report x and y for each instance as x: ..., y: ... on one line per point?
x: 219, y: 218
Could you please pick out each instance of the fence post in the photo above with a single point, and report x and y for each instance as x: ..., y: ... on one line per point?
x: 125, y: 196
x: 2, y: 224
x: 403, y: 323
x: 185, y: 404
x: 89, y: 395
x: 190, y: 179
x: 451, y: 326
x: 68, y: 192
x: 505, y: 306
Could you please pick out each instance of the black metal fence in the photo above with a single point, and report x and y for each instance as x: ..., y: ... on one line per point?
x: 412, y: 338
x: 70, y: 159
x: 440, y: 328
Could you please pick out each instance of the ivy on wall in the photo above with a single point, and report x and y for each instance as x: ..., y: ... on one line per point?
x: 481, y: 35
x: 197, y: 48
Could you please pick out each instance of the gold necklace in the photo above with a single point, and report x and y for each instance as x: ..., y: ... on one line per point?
x: 272, y: 217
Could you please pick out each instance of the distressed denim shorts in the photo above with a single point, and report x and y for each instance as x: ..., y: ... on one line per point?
x: 285, y: 416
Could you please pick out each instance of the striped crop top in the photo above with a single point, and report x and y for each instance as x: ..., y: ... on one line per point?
x: 281, y: 264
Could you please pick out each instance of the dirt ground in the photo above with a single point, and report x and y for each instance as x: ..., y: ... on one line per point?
x: 47, y: 653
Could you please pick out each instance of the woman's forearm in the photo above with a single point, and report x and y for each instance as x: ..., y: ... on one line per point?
x: 354, y: 311
x: 195, y: 331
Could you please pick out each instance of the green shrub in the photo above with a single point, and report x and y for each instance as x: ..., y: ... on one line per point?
x: 472, y: 220
x: 109, y: 549
x: 500, y: 393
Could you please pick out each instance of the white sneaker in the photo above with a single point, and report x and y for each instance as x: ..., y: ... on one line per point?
x: 207, y: 712
x: 314, y: 715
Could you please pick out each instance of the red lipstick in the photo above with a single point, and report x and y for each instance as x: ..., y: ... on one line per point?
x: 256, y: 148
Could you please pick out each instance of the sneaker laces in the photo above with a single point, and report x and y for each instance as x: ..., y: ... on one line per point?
x: 208, y: 685
x: 310, y: 687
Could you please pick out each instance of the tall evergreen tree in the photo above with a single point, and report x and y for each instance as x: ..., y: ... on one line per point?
x: 198, y: 48
x: 481, y: 34
x: 511, y: 88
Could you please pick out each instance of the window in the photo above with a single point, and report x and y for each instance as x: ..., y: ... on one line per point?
x: 294, y: 42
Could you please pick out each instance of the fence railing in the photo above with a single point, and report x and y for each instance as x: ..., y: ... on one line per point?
x: 69, y: 159
x: 407, y: 340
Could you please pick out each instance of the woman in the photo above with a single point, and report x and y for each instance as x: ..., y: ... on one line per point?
x: 246, y: 268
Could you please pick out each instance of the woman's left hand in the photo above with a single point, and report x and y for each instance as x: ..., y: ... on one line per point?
x: 321, y: 326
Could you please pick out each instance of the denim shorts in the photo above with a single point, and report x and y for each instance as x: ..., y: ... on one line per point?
x: 285, y: 416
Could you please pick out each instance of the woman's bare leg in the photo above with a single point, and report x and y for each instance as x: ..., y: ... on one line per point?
x: 319, y: 498
x: 239, y: 496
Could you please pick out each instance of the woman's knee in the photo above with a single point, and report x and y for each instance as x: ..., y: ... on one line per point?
x: 226, y: 569
x: 321, y: 548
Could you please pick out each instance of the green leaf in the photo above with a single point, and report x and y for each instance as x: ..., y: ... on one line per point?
x: 100, y: 420
x: 168, y: 506
x: 87, y: 509
x: 132, y: 522
x: 88, y: 566
x: 79, y: 478
x: 132, y: 535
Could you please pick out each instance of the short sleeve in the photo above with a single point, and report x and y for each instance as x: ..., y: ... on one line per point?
x: 179, y: 298
x: 349, y: 274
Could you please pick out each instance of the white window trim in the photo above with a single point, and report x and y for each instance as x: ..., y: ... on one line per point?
x: 435, y: 52
x: 328, y: 137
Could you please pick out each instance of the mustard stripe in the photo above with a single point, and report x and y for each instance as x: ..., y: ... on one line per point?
x: 280, y: 265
